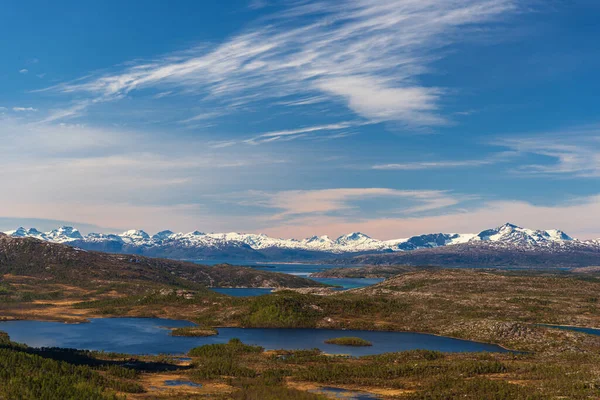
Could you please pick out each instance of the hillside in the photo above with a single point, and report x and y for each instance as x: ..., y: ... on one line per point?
x: 482, y: 254
x: 58, y: 263
x: 377, y: 271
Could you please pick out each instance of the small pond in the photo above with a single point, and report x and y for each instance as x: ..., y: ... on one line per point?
x: 589, y: 331
x: 338, y: 393
x: 177, y: 382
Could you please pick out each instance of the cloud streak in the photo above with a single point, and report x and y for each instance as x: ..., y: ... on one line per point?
x: 414, y: 166
x: 572, y: 217
x: 574, y: 152
x: 301, y: 203
x: 365, y: 54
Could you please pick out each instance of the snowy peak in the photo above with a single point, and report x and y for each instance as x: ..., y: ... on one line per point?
x: 318, y: 240
x: 515, y: 235
x: 19, y: 232
x: 353, y: 237
x: 135, y: 235
x: 162, y: 235
x: 63, y: 234
x: 556, y: 235
x: 431, y: 240
x: 188, y: 245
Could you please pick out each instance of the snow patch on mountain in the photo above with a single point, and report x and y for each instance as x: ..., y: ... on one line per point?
x: 509, y: 234
x: 164, y: 243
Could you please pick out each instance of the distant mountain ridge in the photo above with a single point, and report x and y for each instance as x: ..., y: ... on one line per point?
x: 248, y: 246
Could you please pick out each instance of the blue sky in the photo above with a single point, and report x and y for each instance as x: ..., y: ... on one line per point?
x: 293, y: 118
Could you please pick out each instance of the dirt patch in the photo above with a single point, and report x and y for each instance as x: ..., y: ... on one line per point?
x: 308, y: 386
x: 155, y: 385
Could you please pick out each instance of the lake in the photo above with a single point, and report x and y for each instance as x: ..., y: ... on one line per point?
x: 343, y: 283
x: 589, y: 331
x: 298, y: 269
x: 152, y: 336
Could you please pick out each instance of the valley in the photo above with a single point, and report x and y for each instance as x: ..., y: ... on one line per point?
x: 494, y: 309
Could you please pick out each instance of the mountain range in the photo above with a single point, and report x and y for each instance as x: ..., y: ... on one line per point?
x: 260, y: 247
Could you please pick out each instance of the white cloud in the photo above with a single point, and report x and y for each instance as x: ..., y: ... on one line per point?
x: 257, y: 4
x: 490, y: 159
x: 377, y: 101
x: 573, y: 152
x: 24, y: 109
x: 23, y: 71
x: 49, y: 164
x: 431, y: 165
x: 162, y: 94
x: 293, y: 203
x: 368, y: 54
x: 290, y: 134
x: 203, y: 117
x: 573, y: 217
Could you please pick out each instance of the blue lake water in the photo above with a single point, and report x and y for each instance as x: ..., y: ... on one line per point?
x: 349, y: 283
x: 177, y: 382
x: 151, y: 336
x: 303, y: 270
x: 589, y: 331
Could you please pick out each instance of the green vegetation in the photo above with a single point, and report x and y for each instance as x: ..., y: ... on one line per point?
x: 223, y: 360
x: 233, y: 348
x: 349, y: 341
x: 27, y: 373
x: 268, y: 392
x: 248, y: 372
x: 410, y: 375
x: 193, y: 331
x: 378, y: 271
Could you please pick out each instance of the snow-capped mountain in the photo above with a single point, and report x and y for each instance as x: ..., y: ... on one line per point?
x: 262, y: 247
x: 63, y: 234
x: 510, y: 234
x: 429, y: 241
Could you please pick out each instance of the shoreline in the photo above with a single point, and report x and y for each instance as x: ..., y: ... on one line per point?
x: 88, y: 320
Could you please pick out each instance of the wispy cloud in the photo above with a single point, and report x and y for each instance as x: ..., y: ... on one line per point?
x: 23, y: 71
x: 290, y: 134
x: 570, y: 153
x: 366, y: 54
x: 490, y: 159
x: 431, y: 165
x: 57, y: 163
x: 160, y: 95
x: 573, y: 217
x: 302, y: 203
x: 203, y: 117
x: 24, y: 109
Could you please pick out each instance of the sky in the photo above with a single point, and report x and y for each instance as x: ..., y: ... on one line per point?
x: 297, y: 118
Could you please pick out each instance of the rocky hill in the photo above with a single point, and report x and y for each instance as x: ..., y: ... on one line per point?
x: 66, y: 264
